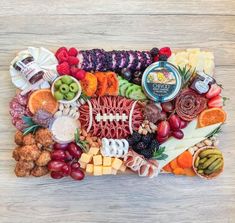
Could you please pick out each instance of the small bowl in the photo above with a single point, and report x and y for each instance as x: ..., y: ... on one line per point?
x: 211, y: 176
x: 77, y: 95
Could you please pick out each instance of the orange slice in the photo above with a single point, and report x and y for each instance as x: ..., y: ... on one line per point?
x: 42, y: 99
x: 211, y: 116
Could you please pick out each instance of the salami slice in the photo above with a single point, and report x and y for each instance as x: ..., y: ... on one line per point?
x: 190, y: 104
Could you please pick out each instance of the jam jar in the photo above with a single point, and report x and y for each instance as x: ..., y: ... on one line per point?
x: 27, y: 66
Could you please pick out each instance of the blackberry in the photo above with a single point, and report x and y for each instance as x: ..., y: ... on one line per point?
x: 154, y: 51
x: 147, y: 138
x: 141, y: 146
x: 136, y: 137
x: 163, y: 57
x: 154, y: 145
x: 147, y: 153
x: 130, y: 141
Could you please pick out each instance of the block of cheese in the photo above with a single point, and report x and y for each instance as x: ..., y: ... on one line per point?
x: 89, y: 168
x: 107, y: 161
x: 123, y: 168
x: 82, y: 165
x: 93, y: 150
x: 97, y: 170
x: 85, y: 158
x: 107, y: 169
x: 116, y: 164
x: 97, y: 160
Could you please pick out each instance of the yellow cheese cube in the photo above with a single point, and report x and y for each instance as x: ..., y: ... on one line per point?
x: 107, y: 161
x: 107, y: 170
x: 116, y: 164
x: 97, y: 160
x: 114, y: 172
x: 82, y: 165
x: 89, y: 168
x: 123, y: 168
x: 85, y: 158
x: 97, y: 170
x: 93, y: 150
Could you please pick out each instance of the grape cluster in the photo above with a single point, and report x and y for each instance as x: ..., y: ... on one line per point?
x: 134, y: 77
x: 64, y: 161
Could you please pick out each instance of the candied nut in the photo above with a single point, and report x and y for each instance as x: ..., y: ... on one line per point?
x: 29, y: 153
x: 29, y: 139
x: 200, y: 144
x: 82, y: 138
x: 44, y: 137
x: 39, y: 171
x: 191, y: 150
x: 23, y: 168
x: 19, y: 138
x: 94, y: 139
x: 44, y: 158
x: 15, y: 153
x: 195, y: 148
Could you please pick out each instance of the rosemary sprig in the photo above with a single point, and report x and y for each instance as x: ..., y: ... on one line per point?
x: 32, y: 126
x: 79, y: 142
x: 159, y: 154
x: 185, y: 74
x: 216, y: 131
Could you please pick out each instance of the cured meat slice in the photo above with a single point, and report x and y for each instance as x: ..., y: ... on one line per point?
x: 190, y: 104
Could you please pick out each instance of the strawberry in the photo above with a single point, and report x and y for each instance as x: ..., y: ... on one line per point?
x: 215, y: 102
x: 72, y: 60
x: 63, y: 68
x: 80, y: 74
x: 165, y: 51
x: 73, y: 70
x: 73, y: 52
x: 61, y: 49
x: 215, y: 90
x: 62, y: 56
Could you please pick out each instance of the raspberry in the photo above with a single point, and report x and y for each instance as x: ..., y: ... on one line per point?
x: 63, y: 68
x: 74, y: 70
x: 73, y: 52
x: 156, y: 58
x: 80, y: 74
x: 165, y: 51
x: 61, y: 49
x: 62, y: 56
x: 72, y: 60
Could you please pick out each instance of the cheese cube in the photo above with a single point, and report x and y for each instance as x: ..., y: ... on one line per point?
x: 114, y: 172
x: 89, y: 168
x: 85, y: 158
x: 107, y: 161
x: 82, y: 165
x: 107, y: 170
x: 123, y: 168
x: 116, y: 164
x: 97, y: 160
x: 97, y: 170
x: 93, y: 150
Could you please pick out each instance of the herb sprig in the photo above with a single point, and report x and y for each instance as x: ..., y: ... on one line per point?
x: 159, y: 154
x: 32, y: 126
x: 79, y: 142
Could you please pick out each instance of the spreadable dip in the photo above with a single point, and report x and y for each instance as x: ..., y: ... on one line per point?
x: 161, y: 81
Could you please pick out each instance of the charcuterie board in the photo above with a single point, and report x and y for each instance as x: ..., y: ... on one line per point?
x: 96, y: 112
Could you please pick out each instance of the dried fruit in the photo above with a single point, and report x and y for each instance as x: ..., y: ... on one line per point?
x: 89, y: 84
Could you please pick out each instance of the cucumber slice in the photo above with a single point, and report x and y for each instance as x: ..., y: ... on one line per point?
x: 121, y: 82
x: 132, y: 87
x: 137, y: 95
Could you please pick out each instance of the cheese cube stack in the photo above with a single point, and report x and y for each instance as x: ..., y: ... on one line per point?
x: 96, y: 164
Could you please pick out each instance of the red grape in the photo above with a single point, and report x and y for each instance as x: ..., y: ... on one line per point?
x: 178, y: 134
x: 77, y: 174
x: 58, y: 154
x: 168, y: 106
x: 55, y: 165
x: 56, y: 175
x: 74, y: 150
x: 75, y: 165
x: 60, y: 146
x: 183, y: 123
x: 162, y: 139
x: 163, y: 115
x: 68, y: 156
x: 174, y: 122
x: 163, y: 129
x: 66, y: 169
